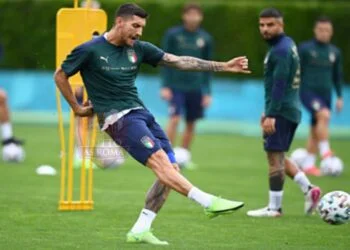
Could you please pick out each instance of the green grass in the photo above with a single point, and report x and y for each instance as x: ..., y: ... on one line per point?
x: 231, y: 166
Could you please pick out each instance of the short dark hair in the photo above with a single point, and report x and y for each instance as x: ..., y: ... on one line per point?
x: 323, y: 19
x: 271, y: 12
x: 192, y: 6
x: 130, y: 9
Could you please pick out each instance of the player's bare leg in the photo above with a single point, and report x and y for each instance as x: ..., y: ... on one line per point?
x: 188, y: 134
x: 309, y: 164
x: 187, y: 139
x: 172, y: 128
x: 170, y: 178
x: 322, y: 132
x: 5, y: 124
x: 276, y: 162
x: 312, y: 193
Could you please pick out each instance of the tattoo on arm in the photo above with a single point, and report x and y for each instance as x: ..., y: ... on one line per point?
x: 191, y: 63
x: 156, y: 196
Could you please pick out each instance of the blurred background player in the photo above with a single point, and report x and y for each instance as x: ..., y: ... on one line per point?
x: 282, y: 114
x: 321, y: 71
x: 188, y: 93
x: 12, y: 147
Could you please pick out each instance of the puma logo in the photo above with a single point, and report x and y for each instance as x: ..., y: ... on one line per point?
x: 104, y: 59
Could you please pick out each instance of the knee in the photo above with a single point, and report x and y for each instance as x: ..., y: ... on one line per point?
x: 159, y: 162
x: 324, y: 115
x: 3, y: 97
x: 175, y: 120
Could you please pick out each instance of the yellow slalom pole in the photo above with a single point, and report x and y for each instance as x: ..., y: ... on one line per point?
x: 83, y: 166
x: 63, y: 146
x: 75, y: 3
x: 92, y: 147
x: 71, y: 157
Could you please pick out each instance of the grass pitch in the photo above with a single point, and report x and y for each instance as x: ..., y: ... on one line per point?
x: 230, y: 166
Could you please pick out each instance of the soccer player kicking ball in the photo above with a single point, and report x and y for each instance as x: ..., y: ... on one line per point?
x: 321, y: 70
x: 282, y: 114
x: 109, y: 66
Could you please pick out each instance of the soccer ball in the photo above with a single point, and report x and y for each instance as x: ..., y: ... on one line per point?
x: 332, y: 166
x: 109, y: 155
x: 13, y: 153
x: 298, y: 156
x: 334, y: 207
x: 182, y: 156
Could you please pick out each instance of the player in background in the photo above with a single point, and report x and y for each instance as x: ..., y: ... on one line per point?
x: 282, y: 114
x: 321, y: 72
x: 7, y: 137
x: 188, y: 93
x: 109, y: 65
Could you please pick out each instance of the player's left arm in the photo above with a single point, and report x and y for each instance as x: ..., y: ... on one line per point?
x: 337, y: 80
x: 188, y: 63
x: 208, y: 52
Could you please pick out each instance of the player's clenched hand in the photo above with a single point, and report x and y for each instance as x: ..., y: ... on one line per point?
x: 340, y: 104
x: 262, y: 119
x: 238, y: 65
x: 166, y: 94
x: 268, y: 126
x: 85, y: 110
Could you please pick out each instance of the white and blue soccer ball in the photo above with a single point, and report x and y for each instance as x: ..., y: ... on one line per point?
x: 332, y: 166
x: 182, y: 156
x: 109, y: 155
x: 298, y: 156
x: 13, y: 153
x: 334, y: 207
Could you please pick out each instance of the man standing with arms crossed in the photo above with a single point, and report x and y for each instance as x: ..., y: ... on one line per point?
x: 188, y: 93
x: 282, y: 114
x: 321, y: 71
x: 109, y: 65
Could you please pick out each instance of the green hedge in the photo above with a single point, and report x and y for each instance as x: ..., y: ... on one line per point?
x: 27, y: 28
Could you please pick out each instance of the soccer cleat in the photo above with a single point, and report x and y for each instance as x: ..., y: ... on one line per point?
x: 265, y: 212
x: 221, y: 206
x: 144, y: 237
x: 311, y: 199
x: 314, y: 171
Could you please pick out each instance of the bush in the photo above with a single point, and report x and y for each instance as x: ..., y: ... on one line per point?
x: 28, y: 28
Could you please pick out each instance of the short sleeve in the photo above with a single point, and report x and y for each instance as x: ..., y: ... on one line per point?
x: 75, y: 60
x: 151, y: 54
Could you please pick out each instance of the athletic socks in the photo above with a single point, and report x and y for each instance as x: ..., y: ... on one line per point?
x: 304, y: 183
x: 324, y: 148
x: 6, y: 131
x: 202, y: 198
x: 309, y: 162
x: 144, y: 221
x: 275, y: 200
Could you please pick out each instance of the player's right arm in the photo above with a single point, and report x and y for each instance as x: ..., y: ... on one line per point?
x: 71, y: 65
x: 63, y: 85
x: 166, y: 73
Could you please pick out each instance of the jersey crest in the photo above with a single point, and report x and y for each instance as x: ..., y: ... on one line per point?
x: 132, y: 56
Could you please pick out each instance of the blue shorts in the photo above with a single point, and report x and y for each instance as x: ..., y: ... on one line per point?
x: 314, y: 103
x: 140, y: 135
x: 187, y: 103
x: 281, y: 140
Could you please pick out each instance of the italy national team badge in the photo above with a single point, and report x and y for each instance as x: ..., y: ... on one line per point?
x: 200, y: 42
x: 132, y: 56
x: 332, y: 57
x: 147, y: 142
